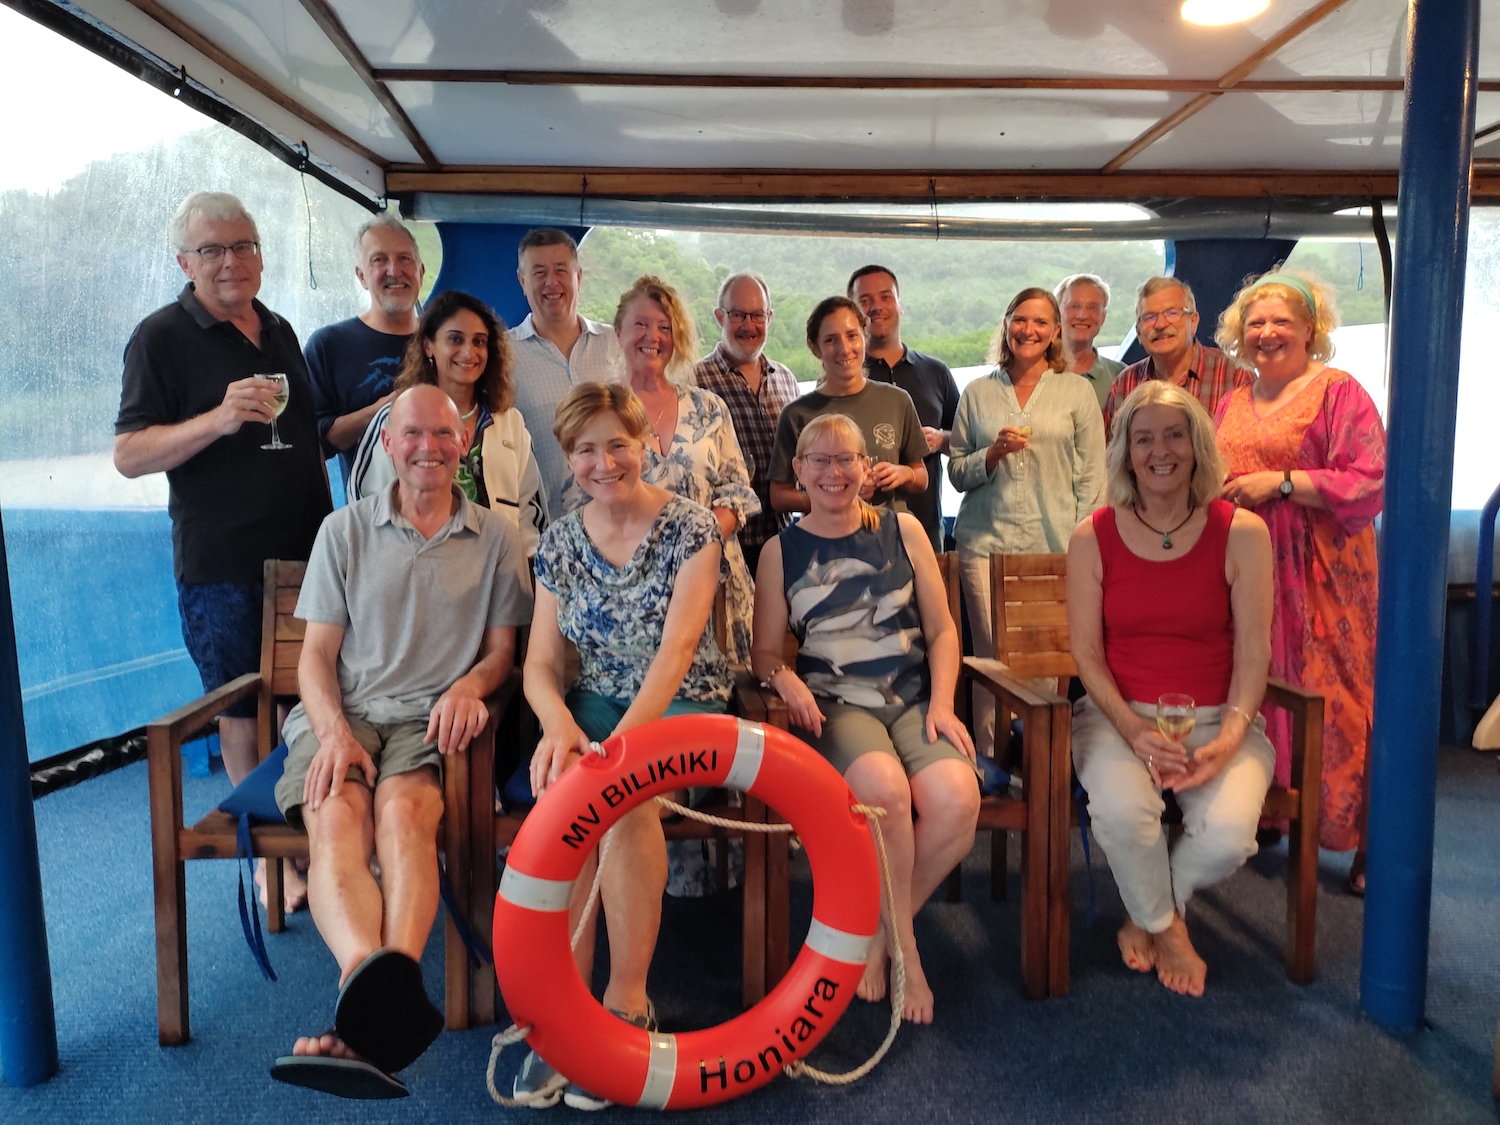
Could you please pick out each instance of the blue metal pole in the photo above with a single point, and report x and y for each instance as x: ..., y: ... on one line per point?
x: 1427, y: 310
x: 28, y: 1028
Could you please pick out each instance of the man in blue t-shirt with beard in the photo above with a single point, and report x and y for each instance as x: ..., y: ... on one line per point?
x: 354, y: 363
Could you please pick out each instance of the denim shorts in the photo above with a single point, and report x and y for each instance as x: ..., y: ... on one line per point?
x: 221, y: 624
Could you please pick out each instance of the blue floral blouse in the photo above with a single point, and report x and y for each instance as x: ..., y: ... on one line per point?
x: 615, y: 615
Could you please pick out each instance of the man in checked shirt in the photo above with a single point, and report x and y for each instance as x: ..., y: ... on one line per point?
x: 754, y: 388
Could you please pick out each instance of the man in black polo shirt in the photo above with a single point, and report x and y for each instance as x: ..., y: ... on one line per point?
x: 193, y: 407
x: 928, y: 380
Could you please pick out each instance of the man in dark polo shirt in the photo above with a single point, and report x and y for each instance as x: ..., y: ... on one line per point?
x: 928, y: 380
x: 354, y: 363
x: 193, y: 407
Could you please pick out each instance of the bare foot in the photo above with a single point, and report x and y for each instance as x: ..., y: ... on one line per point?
x: 327, y: 1044
x: 916, y: 1006
x: 293, y: 886
x: 1136, y: 948
x: 1178, y: 965
x: 877, y: 969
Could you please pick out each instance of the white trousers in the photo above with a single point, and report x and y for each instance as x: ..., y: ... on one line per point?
x: 1219, y: 817
x: 974, y: 579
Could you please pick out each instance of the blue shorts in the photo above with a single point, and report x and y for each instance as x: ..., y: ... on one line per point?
x: 221, y: 624
x: 598, y: 715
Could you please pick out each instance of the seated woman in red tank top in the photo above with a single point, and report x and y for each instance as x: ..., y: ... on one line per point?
x: 1169, y: 593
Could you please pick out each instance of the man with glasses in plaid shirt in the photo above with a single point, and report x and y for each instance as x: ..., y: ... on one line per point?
x: 1166, y: 323
x: 755, y: 389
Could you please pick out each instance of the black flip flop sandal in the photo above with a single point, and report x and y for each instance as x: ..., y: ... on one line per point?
x: 383, y: 1012
x: 344, y: 1078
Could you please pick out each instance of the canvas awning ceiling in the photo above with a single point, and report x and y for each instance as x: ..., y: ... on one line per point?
x: 759, y: 99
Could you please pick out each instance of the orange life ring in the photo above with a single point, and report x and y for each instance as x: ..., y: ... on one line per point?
x: 534, y: 962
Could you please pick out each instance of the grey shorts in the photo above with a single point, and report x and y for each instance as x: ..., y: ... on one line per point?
x: 896, y: 729
x: 395, y: 747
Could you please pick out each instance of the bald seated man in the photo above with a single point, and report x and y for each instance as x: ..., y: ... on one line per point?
x: 412, y: 598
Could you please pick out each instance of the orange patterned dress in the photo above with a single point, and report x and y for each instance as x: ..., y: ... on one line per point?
x: 1323, y: 627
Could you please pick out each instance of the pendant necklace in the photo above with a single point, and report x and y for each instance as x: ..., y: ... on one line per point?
x: 1166, y: 536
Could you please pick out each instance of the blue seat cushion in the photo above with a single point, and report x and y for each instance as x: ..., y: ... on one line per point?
x: 255, y: 796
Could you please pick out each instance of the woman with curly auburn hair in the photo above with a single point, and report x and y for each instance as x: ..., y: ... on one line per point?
x: 1305, y: 450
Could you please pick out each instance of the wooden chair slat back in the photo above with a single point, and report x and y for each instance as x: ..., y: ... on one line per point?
x: 1031, y: 615
x: 281, y: 631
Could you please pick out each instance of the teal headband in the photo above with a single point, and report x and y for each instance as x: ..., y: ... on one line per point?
x: 1297, y: 285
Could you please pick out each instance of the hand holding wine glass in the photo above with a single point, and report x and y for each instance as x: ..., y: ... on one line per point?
x: 1019, y: 422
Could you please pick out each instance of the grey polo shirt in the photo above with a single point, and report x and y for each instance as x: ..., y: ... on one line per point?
x: 543, y: 377
x: 413, y: 610
x: 1101, y: 376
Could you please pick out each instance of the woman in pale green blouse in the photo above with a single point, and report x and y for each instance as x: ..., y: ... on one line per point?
x: 1028, y: 455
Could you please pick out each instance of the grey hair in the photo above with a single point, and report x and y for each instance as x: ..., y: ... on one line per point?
x: 389, y: 220
x: 743, y: 275
x: 1081, y: 279
x: 1208, y: 467
x: 1153, y: 285
x: 218, y: 206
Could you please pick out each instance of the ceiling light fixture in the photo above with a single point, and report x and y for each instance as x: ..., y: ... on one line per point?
x: 1221, y: 13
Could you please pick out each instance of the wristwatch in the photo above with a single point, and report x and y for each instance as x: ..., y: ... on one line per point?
x: 1286, y: 486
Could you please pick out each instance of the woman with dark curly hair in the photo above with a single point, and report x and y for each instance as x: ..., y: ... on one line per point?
x: 461, y: 348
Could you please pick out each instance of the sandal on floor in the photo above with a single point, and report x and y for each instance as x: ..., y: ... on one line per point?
x: 344, y: 1078
x: 1357, y: 875
x: 383, y: 1013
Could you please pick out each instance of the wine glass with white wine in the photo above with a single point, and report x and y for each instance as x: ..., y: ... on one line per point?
x: 278, y: 404
x: 1176, y: 715
x: 1020, y: 421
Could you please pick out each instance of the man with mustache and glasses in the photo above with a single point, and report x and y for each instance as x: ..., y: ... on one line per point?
x: 353, y: 363
x: 1166, y: 323
x: 755, y: 389
x: 926, y: 379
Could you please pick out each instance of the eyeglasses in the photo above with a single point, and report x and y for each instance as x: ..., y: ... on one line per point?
x: 821, y: 461
x: 1166, y: 316
x: 1080, y: 307
x: 212, y: 252
x: 739, y: 316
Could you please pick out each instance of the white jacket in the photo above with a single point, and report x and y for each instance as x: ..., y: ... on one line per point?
x: 510, y: 474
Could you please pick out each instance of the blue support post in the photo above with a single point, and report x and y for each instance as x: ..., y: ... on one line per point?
x: 28, y: 1027
x: 1432, y: 244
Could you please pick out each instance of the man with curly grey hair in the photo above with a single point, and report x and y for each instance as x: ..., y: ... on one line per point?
x: 203, y: 382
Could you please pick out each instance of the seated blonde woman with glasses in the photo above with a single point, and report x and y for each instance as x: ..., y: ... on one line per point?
x: 873, y: 686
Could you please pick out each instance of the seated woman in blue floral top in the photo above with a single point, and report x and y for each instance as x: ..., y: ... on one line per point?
x: 876, y: 669
x: 630, y: 579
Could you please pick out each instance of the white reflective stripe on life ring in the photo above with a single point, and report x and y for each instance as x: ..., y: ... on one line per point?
x: 548, y: 895
x: 661, y: 1072
x: 749, y: 752
x: 838, y: 945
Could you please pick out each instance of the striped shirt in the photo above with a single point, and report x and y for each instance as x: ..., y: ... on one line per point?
x: 754, y: 415
x: 1211, y: 375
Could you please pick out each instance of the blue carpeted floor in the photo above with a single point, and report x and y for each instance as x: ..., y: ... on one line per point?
x: 1120, y: 1048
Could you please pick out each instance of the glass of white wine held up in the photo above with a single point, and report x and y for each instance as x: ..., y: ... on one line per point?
x: 278, y: 404
x: 1020, y: 421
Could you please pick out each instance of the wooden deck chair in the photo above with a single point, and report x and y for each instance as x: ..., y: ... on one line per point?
x: 213, y: 836
x: 1031, y: 641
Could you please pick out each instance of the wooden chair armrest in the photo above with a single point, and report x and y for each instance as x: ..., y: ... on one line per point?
x: 996, y: 679
x: 749, y: 697
x: 1306, y: 710
x: 176, y: 727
